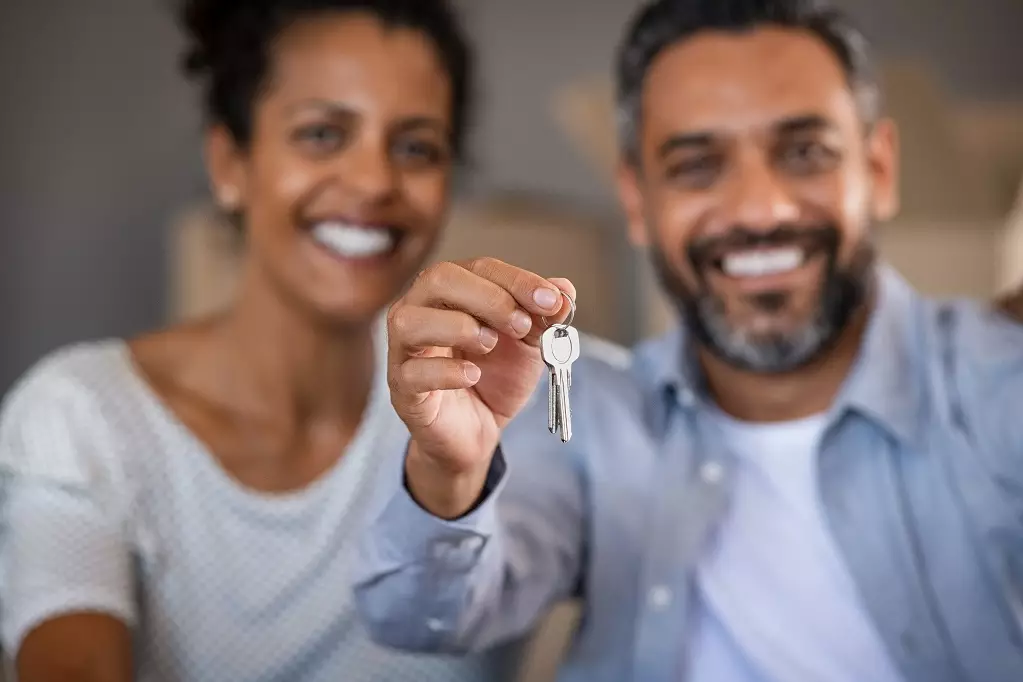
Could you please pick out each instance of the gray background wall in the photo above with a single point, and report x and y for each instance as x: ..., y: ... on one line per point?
x: 99, y: 136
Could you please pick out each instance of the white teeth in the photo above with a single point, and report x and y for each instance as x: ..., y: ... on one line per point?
x: 762, y: 262
x: 353, y: 241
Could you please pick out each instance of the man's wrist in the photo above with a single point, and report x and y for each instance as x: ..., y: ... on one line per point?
x: 446, y: 494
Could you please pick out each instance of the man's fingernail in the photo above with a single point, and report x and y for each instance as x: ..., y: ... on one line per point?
x: 546, y: 298
x: 521, y: 322
x: 488, y: 338
x: 472, y: 373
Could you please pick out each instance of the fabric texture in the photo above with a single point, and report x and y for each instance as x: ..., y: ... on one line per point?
x: 110, y: 504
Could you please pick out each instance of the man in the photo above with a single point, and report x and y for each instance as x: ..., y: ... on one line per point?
x: 818, y: 476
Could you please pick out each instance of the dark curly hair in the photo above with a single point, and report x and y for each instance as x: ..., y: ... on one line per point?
x: 231, y: 41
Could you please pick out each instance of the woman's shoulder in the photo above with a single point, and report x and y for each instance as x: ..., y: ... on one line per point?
x: 87, y: 371
x: 60, y: 419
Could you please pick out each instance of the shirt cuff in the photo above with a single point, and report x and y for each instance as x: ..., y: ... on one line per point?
x: 406, y: 534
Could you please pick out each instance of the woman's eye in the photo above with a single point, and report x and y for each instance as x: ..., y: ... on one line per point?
x: 320, y: 138
x: 420, y: 152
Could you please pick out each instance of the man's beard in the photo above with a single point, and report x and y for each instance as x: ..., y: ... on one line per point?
x: 843, y: 291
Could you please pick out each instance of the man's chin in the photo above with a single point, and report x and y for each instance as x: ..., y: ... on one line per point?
x: 768, y: 343
x: 768, y: 327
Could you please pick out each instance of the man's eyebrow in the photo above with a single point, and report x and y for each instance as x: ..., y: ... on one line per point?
x: 684, y: 141
x: 805, y: 123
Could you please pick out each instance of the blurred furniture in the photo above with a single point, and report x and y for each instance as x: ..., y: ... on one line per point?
x: 1011, y: 263
x: 204, y: 263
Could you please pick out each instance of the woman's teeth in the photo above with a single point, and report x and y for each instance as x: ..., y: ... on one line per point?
x: 354, y: 241
x: 762, y: 262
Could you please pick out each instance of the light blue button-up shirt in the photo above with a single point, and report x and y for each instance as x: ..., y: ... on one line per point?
x: 920, y: 474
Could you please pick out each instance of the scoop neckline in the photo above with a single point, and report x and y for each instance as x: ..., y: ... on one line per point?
x: 348, y: 467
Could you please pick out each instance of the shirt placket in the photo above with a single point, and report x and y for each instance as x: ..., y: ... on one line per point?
x: 869, y: 518
x: 692, y: 481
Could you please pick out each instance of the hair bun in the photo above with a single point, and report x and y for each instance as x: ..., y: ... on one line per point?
x: 212, y: 28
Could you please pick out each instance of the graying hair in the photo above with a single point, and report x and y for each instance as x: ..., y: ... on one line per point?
x: 663, y: 23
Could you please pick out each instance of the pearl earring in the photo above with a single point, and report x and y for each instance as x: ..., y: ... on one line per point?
x: 229, y: 198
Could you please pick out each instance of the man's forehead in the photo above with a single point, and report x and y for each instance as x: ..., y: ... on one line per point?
x: 742, y: 81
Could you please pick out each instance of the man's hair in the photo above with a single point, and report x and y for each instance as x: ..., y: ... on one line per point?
x: 663, y: 23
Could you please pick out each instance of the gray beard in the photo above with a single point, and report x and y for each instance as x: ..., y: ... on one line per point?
x: 761, y: 353
x: 842, y: 293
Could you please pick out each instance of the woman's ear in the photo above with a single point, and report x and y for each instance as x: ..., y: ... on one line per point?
x: 225, y: 168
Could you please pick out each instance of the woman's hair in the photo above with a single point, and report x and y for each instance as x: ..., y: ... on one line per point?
x: 230, y: 44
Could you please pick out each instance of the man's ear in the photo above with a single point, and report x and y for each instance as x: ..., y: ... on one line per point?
x: 631, y: 197
x: 883, y: 165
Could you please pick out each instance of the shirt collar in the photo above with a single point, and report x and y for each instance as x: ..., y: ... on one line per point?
x: 886, y: 383
x: 883, y: 386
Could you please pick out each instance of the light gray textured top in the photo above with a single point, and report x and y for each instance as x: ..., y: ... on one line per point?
x: 110, y: 504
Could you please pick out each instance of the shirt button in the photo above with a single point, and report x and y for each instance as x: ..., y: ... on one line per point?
x: 435, y: 625
x: 659, y: 597
x: 687, y: 397
x: 712, y: 472
x: 908, y: 642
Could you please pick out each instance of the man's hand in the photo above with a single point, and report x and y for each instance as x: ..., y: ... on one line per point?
x: 463, y: 361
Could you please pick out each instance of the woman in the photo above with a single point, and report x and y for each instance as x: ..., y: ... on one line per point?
x: 183, y: 506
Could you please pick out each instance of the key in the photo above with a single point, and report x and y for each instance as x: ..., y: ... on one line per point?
x: 553, y: 382
x: 559, y: 347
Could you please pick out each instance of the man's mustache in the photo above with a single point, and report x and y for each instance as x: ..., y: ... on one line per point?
x: 707, y: 251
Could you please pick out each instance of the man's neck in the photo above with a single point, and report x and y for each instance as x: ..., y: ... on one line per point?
x: 810, y: 390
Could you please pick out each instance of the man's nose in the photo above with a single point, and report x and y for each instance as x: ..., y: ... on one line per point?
x: 758, y: 198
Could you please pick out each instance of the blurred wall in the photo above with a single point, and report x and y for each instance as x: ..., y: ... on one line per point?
x: 99, y: 144
x: 975, y: 46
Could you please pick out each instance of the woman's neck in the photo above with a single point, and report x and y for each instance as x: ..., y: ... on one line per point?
x: 269, y: 360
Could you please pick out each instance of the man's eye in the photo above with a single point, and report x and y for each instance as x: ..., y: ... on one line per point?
x: 697, y: 172
x: 807, y: 156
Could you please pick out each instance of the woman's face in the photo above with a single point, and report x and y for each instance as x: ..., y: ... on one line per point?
x: 344, y: 185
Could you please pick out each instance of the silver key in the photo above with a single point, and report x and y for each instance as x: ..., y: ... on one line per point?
x: 559, y: 348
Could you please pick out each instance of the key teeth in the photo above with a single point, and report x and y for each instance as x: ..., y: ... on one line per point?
x: 552, y: 401
x: 564, y: 406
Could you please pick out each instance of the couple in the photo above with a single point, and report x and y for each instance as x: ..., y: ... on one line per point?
x: 818, y: 476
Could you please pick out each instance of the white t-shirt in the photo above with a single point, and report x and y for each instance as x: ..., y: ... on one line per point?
x: 777, y: 603
x: 110, y: 504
